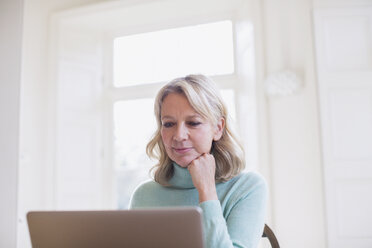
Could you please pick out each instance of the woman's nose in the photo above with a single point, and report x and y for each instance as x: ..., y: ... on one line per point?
x: 181, y: 133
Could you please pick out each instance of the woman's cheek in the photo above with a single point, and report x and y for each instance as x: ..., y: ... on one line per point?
x: 165, y: 136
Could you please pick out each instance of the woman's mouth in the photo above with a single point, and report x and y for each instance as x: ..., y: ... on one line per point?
x: 182, y: 150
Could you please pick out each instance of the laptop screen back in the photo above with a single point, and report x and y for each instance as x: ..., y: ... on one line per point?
x: 155, y: 228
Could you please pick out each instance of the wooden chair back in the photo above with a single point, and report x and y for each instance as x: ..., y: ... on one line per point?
x: 269, y: 234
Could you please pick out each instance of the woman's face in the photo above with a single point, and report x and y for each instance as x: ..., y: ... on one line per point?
x: 185, y: 133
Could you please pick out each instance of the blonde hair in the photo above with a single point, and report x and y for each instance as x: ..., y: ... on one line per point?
x: 205, y: 98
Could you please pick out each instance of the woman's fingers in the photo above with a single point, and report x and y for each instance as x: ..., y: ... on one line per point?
x: 202, y: 172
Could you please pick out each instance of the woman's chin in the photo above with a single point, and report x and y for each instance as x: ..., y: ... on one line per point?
x: 184, y: 162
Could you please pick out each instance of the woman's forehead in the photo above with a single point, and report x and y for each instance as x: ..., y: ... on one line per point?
x: 176, y: 103
x: 171, y: 117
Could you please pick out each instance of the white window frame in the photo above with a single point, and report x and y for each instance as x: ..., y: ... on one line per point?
x: 229, y: 81
x: 244, y: 78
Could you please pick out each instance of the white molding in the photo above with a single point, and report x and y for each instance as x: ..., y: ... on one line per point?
x: 50, y: 185
x: 264, y: 162
x: 331, y: 4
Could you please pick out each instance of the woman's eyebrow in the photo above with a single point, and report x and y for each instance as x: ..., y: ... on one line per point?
x: 167, y: 117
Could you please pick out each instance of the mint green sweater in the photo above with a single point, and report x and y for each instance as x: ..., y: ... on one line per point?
x: 235, y: 220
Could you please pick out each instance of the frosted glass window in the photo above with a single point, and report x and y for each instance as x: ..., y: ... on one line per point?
x: 228, y: 95
x: 134, y: 124
x: 166, y: 54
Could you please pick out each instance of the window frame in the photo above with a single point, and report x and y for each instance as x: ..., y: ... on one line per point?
x: 149, y: 90
x: 242, y: 14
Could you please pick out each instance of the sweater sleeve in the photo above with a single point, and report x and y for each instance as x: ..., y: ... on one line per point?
x: 243, y: 224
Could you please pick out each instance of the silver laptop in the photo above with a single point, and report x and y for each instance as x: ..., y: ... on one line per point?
x: 143, y: 228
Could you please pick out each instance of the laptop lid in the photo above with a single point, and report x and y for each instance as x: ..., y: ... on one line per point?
x: 140, y: 228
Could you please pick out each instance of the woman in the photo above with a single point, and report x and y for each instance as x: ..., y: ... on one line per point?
x: 200, y: 163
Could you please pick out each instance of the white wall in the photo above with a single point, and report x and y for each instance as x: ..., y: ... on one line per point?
x: 35, y: 93
x: 10, y: 74
x: 294, y: 139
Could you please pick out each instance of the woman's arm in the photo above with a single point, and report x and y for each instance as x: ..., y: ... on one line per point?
x: 244, y: 224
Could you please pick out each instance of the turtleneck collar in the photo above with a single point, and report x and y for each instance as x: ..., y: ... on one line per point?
x: 181, y: 178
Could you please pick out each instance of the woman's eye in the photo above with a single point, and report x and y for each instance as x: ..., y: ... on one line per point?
x: 194, y: 123
x: 168, y: 124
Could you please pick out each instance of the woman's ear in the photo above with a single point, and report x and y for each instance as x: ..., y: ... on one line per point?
x: 219, y: 129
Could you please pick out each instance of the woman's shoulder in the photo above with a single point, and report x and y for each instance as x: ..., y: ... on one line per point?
x: 248, y: 182
x: 142, y: 192
x: 251, y: 177
x: 146, y: 186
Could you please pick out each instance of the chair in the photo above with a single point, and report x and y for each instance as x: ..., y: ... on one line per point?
x: 268, y: 233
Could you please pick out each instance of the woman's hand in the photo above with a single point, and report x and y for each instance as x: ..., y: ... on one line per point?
x: 202, y: 170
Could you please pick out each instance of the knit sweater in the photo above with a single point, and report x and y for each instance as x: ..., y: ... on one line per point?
x: 235, y: 220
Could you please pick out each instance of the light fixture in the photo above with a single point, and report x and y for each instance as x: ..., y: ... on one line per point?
x: 282, y: 84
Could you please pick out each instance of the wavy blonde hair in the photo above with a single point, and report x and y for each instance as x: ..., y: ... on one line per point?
x: 205, y: 98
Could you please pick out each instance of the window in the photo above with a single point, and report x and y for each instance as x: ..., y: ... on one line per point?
x: 154, y: 58
x: 109, y: 61
x: 134, y: 123
x: 161, y: 55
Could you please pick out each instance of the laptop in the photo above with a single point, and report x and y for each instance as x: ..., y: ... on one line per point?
x: 141, y: 228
